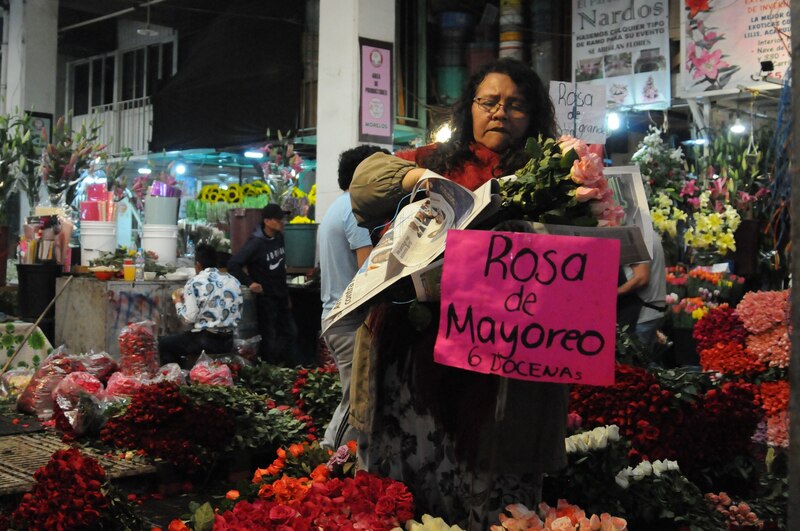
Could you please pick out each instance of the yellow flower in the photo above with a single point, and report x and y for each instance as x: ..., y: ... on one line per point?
x: 300, y: 219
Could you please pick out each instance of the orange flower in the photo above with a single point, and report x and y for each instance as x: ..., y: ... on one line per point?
x: 178, y: 525
x: 275, y: 468
x: 232, y: 495
x: 296, y: 450
x: 320, y: 474
x: 352, y: 446
x: 286, y: 489
x: 281, y: 453
x: 258, y: 475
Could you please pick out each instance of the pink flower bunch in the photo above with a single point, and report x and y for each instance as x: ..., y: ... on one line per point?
x: 365, y: 501
x: 761, y: 310
x: 563, y: 517
x: 771, y: 347
x: 778, y: 430
x: 587, y: 173
x: 739, y: 516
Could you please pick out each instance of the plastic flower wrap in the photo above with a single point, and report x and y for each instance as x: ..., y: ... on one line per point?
x: 562, y: 183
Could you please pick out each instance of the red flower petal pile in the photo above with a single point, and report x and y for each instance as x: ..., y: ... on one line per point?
x: 67, y: 495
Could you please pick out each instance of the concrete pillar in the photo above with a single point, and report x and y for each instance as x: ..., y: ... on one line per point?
x: 30, y: 62
x: 341, y: 23
x: 32, y: 50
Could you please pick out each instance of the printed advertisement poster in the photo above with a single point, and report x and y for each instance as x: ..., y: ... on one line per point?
x: 376, y: 117
x: 529, y: 306
x: 724, y: 42
x: 623, y: 45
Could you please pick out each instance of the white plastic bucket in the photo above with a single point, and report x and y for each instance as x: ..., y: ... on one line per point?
x: 161, y: 210
x: 162, y: 240
x: 97, y: 236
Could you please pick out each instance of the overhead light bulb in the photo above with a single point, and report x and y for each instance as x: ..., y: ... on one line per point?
x: 180, y: 168
x: 442, y: 133
x: 613, y: 121
x: 738, y: 127
x: 144, y: 171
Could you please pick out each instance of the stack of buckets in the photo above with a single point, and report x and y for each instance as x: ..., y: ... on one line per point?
x: 512, y: 29
x: 97, y: 237
x: 160, y: 230
x: 451, y: 75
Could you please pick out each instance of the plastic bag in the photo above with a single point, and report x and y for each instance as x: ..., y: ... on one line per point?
x: 210, y: 372
x: 37, y: 398
x: 170, y: 372
x: 248, y: 348
x: 138, y: 352
x: 77, y: 403
x: 99, y: 364
x: 14, y: 381
x: 121, y: 385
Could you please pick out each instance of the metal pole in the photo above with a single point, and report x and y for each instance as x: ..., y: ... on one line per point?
x: 793, y: 521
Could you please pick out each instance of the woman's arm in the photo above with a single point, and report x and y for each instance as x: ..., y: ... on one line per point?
x: 379, y: 185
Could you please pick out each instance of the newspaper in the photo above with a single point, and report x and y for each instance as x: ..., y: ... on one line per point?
x: 626, y: 183
x: 632, y: 247
x: 415, y: 240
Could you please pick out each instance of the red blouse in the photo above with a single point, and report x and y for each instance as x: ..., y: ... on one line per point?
x: 471, y: 174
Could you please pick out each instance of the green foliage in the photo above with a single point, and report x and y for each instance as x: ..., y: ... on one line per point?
x: 320, y: 395
x: 271, y: 380
x: 257, y: 425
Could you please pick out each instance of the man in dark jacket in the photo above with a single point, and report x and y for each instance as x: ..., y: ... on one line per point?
x: 260, y: 265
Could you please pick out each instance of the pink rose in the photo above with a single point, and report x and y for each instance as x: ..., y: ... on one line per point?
x: 587, y: 170
x: 583, y: 194
x: 567, y: 142
x: 562, y: 524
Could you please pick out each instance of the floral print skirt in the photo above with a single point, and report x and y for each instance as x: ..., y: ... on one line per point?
x: 410, y: 445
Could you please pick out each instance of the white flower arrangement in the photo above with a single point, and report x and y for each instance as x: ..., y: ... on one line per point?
x: 596, y: 439
x: 643, y: 470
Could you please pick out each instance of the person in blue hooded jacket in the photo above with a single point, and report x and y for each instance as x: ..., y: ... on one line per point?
x: 261, y: 266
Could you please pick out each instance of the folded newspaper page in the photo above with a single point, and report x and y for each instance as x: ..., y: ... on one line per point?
x: 414, y: 241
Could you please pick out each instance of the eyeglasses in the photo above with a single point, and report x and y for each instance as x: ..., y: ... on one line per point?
x: 514, y: 108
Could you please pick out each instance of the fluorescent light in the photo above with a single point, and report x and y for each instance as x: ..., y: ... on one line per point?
x: 180, y: 168
x: 613, y: 121
x: 253, y: 154
x: 738, y: 127
x: 144, y: 171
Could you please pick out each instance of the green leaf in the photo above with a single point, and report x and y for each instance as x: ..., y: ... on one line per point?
x: 204, y: 518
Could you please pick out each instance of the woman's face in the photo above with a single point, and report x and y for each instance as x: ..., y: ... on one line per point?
x: 500, y: 116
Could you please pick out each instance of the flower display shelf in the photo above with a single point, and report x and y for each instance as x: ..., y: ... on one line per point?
x: 24, y: 453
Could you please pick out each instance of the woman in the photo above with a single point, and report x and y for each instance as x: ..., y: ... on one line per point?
x: 466, y: 444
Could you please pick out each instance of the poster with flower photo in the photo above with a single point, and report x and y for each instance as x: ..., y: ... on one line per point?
x: 623, y: 45
x: 725, y: 43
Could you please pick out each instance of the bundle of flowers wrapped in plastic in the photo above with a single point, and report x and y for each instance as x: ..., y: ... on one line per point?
x: 563, y: 517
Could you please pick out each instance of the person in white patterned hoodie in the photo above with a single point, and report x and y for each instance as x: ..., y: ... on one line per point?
x: 212, y: 302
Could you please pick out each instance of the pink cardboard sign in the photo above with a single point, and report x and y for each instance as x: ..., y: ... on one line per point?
x: 529, y: 306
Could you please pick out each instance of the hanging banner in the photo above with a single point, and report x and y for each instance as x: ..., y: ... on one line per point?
x: 726, y: 44
x: 529, y: 306
x: 623, y: 45
x: 376, y: 118
x: 580, y: 110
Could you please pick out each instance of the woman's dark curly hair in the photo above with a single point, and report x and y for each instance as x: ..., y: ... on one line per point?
x: 452, y: 154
